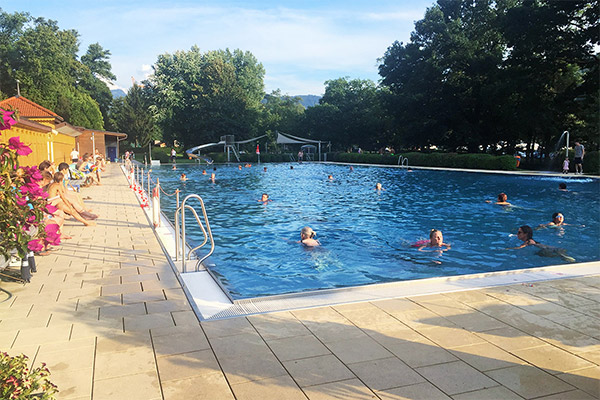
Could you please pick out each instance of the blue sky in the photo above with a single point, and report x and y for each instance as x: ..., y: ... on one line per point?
x: 300, y: 43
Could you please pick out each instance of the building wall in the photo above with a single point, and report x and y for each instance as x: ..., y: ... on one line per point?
x: 44, y: 146
x: 36, y: 140
x: 84, y: 141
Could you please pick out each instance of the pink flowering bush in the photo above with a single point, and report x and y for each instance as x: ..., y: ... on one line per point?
x: 19, y: 382
x: 22, y: 201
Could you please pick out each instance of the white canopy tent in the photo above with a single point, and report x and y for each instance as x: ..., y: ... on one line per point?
x: 286, y: 138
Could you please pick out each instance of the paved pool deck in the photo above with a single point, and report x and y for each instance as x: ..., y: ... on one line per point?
x: 109, y: 317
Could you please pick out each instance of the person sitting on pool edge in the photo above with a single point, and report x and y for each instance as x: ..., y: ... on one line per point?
x: 307, y: 237
x: 502, y: 197
x: 264, y: 198
x: 436, y: 239
x: 183, y: 178
x: 525, y: 233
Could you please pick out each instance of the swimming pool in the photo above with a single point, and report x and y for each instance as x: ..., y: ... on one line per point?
x: 366, y: 235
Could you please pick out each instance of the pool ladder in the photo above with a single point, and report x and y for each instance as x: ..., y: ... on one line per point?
x: 403, y: 161
x: 184, y: 252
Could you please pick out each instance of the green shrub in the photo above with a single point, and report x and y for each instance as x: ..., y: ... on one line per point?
x: 591, y: 163
x: 17, y: 381
x: 447, y: 160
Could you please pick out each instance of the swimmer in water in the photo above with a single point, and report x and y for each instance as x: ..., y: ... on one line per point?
x: 436, y: 241
x: 502, y: 197
x: 203, y: 172
x: 330, y: 177
x: 291, y: 167
x: 240, y: 167
x: 378, y: 186
x: 557, y: 220
x: 212, y: 177
x: 351, y: 168
x: 525, y: 233
x: 265, y: 169
x: 183, y: 178
x: 264, y: 198
x: 174, y: 167
x: 307, y: 237
x: 562, y: 187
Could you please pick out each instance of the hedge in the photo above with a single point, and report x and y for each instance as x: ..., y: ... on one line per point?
x: 448, y: 160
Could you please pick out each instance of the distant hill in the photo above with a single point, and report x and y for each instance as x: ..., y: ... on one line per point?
x: 118, y: 93
x: 309, y: 100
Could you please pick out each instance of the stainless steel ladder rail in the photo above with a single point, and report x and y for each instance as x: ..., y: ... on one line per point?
x: 207, y: 233
x: 403, y: 161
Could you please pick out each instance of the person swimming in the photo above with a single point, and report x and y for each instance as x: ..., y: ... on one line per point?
x: 330, y: 177
x: 351, y: 168
x: 264, y: 198
x: 203, y: 172
x: 378, y: 186
x: 265, y: 169
x: 501, y: 201
x: 307, y: 237
x: 240, y: 167
x: 563, y: 187
x: 183, y: 178
x: 525, y: 234
x: 212, y: 177
x: 436, y: 240
x: 558, y: 220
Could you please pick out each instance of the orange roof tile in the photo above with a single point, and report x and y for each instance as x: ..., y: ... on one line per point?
x: 27, y: 108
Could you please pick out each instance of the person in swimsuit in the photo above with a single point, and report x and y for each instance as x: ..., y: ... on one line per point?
x: 525, y: 233
x: 501, y: 201
x: 378, y: 186
x: 436, y: 241
x: 183, y: 178
x: 307, y: 237
x: 265, y: 198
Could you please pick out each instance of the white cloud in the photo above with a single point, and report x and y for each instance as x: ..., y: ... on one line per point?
x: 294, y: 45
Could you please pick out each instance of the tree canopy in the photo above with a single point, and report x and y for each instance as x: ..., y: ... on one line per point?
x: 44, y: 59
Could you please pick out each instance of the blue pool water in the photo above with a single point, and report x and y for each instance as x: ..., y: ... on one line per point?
x: 365, y: 234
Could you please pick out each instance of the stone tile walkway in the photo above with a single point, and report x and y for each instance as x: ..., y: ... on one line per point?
x: 108, y: 316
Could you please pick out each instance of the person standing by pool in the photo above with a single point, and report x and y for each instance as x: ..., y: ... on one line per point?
x: 173, y: 155
x: 566, y: 166
x: 74, y: 155
x: 307, y: 237
x: 579, y: 153
x: 300, y: 156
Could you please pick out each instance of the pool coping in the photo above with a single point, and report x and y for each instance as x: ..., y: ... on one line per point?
x: 211, y: 301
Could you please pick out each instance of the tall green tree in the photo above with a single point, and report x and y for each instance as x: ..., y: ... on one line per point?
x: 43, y: 58
x: 349, y: 113
x: 94, y: 77
x: 135, y: 116
x: 202, y: 96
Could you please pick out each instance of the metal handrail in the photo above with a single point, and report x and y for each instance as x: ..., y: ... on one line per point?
x: 207, y: 233
x: 403, y: 161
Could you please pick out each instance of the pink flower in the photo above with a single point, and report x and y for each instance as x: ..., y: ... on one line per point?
x: 51, y: 229
x: 31, y: 219
x: 22, y: 149
x: 34, y: 173
x: 35, y: 245
x: 50, y: 209
x: 33, y: 189
x: 21, y: 201
x: 7, y: 121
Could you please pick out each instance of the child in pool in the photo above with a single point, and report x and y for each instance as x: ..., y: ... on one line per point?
x: 183, y: 178
x: 307, y: 237
x: 557, y: 220
x: 525, y: 233
x: 378, y: 186
x: 436, y: 240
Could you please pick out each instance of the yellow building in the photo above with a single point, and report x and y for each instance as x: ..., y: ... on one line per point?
x: 48, y: 135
